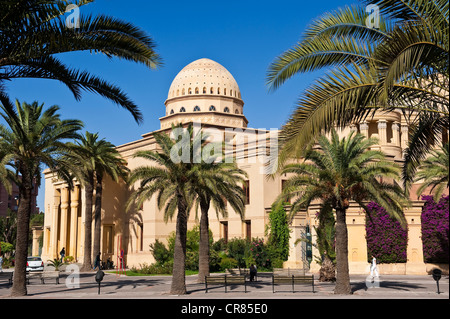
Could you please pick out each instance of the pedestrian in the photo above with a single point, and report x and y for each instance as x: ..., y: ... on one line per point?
x: 97, y: 261
x: 62, y: 253
x: 253, y: 272
x: 373, y: 268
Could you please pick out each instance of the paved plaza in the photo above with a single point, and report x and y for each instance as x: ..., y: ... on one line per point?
x: 116, y: 286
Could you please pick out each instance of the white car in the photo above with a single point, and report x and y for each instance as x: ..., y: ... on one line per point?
x: 35, y: 264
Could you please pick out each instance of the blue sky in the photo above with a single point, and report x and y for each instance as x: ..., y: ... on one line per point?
x: 244, y: 36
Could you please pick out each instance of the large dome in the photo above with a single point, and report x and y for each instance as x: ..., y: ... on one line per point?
x: 204, y: 76
x: 204, y: 91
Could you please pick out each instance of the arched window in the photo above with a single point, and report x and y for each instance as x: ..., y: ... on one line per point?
x: 183, y: 92
x: 204, y: 90
x: 211, y: 91
x: 178, y: 92
x: 189, y: 91
x: 226, y: 109
x: 212, y: 108
x: 196, y: 109
x: 196, y: 91
x: 236, y: 111
x: 224, y: 91
x: 171, y: 111
x: 218, y: 90
x: 231, y: 92
x: 182, y: 110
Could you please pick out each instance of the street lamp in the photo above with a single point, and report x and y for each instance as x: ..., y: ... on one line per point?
x: 98, y: 278
x: 437, y: 273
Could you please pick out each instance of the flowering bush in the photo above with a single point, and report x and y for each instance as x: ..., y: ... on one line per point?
x: 386, y: 238
x: 435, y: 225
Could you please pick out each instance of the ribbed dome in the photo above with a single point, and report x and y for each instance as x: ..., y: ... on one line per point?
x: 204, y: 77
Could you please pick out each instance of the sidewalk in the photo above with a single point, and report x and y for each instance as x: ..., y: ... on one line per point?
x: 157, y: 287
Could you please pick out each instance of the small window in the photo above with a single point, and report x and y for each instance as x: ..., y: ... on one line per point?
x: 226, y: 110
x: 183, y: 92
x: 204, y: 90
x: 212, y: 108
x: 196, y: 91
x: 182, y: 109
x: 231, y: 92
x: 196, y: 109
x: 211, y: 91
x: 171, y: 112
x: 246, y: 188
x: 236, y: 111
x: 218, y: 90
x: 189, y: 91
x: 224, y: 91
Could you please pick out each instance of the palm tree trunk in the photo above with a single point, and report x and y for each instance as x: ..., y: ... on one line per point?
x: 179, y: 257
x: 98, y: 214
x: 19, y: 287
x: 89, y: 194
x: 203, y: 258
x: 342, y: 270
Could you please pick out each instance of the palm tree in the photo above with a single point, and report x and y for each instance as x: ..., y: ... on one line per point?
x: 169, y: 180
x: 91, y: 159
x: 402, y: 64
x: 5, y: 173
x: 33, y: 137
x: 434, y: 173
x: 216, y: 182
x: 34, y: 32
x: 339, y: 171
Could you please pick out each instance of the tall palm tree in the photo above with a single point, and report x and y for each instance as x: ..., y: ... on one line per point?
x: 170, y: 181
x: 33, y: 137
x: 338, y: 171
x: 91, y: 159
x: 34, y: 32
x: 434, y: 173
x: 400, y: 64
x: 215, y: 182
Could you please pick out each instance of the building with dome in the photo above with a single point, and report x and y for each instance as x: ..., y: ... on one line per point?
x: 205, y: 92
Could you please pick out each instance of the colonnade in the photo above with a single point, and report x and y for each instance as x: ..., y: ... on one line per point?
x: 66, y: 223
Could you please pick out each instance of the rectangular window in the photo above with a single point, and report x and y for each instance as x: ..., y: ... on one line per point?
x: 246, y: 188
x: 283, y: 186
x: 248, y: 229
x: 224, y: 226
x: 108, y: 241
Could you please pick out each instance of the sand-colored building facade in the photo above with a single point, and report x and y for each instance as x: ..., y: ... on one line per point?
x: 205, y: 93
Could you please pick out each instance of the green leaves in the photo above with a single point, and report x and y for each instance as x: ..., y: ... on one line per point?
x: 402, y: 66
x: 33, y: 32
x: 340, y: 170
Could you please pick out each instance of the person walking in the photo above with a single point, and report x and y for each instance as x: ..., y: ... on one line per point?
x: 97, y: 261
x: 253, y: 272
x: 373, y: 268
x: 62, y: 254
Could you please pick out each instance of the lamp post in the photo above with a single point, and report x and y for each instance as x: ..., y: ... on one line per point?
x: 98, y: 278
x: 437, y: 273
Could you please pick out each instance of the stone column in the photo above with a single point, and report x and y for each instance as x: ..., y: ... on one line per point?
x: 74, y: 204
x: 54, y: 227
x: 64, y: 213
x: 382, y: 132
x: 404, y: 140
x: 396, y: 133
x: 364, y: 129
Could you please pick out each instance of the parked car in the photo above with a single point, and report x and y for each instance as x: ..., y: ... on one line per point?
x: 35, y: 264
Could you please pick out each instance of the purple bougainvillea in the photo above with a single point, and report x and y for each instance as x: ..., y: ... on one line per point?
x: 386, y: 238
x: 435, y: 225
